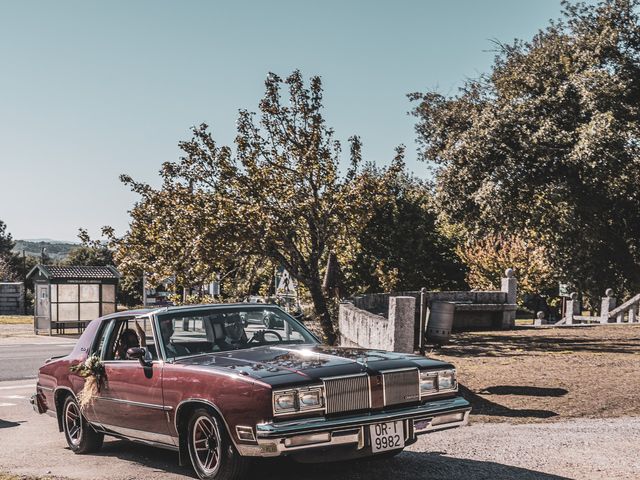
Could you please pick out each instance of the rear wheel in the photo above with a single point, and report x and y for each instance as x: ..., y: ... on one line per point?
x: 212, y: 453
x: 81, y: 437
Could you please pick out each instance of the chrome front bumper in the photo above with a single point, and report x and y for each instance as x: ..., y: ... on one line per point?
x: 275, y: 439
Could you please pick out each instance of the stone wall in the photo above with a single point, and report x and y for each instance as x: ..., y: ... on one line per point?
x: 11, y: 298
x: 393, y: 332
x: 376, y: 321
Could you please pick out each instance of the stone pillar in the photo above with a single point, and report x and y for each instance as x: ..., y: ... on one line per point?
x: 540, y: 320
x: 402, y: 319
x: 608, y: 304
x: 422, y: 324
x: 510, y: 287
x: 573, y: 308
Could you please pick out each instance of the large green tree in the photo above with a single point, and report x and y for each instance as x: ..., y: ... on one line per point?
x: 6, y: 240
x: 279, y: 195
x: 101, y: 253
x: 546, y: 146
x: 400, y: 245
x: 10, y: 262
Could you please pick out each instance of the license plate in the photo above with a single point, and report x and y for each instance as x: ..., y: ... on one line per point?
x: 386, y: 436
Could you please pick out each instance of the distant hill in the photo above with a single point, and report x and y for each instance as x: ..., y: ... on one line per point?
x: 56, y: 250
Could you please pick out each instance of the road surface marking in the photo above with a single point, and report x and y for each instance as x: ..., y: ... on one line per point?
x: 16, y: 358
x: 19, y: 386
x: 14, y: 396
x: 7, y: 404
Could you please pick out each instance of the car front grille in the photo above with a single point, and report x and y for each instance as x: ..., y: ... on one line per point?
x: 345, y: 394
x: 402, y: 386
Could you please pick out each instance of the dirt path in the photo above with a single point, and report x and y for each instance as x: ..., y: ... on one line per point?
x: 542, y: 375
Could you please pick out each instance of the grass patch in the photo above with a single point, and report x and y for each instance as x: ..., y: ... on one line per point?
x: 524, y: 321
x: 15, y: 320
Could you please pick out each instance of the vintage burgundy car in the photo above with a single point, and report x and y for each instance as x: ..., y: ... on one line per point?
x: 203, y: 381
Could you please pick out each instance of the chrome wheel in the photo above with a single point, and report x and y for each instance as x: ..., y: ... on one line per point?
x: 206, y: 445
x: 73, y: 423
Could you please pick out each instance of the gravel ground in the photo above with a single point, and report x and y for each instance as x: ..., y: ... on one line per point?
x: 577, y: 449
x: 537, y: 381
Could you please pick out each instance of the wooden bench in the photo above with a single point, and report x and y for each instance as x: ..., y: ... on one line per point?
x: 61, y: 327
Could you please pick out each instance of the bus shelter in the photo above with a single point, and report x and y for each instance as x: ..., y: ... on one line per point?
x: 68, y: 298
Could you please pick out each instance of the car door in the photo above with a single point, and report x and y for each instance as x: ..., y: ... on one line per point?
x: 131, y: 402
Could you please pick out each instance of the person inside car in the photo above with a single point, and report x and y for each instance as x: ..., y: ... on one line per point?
x: 129, y: 338
x: 234, y: 334
x: 171, y: 350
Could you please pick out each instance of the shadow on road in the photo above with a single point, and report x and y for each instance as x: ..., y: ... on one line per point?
x: 482, y: 406
x: 524, y: 390
x: 155, y: 458
x: 407, y: 466
x: 8, y: 424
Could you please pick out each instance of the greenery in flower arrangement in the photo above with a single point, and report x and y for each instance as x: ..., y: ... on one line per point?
x: 92, y: 369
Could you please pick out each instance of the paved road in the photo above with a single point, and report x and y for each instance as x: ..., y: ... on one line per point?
x: 22, y: 360
x: 30, y: 444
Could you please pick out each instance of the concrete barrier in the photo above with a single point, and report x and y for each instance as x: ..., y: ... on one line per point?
x: 361, y: 328
x: 12, y: 298
x: 382, y: 320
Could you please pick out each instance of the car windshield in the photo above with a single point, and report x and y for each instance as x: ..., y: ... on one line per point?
x: 187, y: 332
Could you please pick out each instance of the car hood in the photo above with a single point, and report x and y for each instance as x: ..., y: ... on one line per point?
x: 285, y: 365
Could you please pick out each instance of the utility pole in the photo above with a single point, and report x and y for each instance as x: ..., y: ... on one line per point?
x: 24, y: 279
x: 144, y: 289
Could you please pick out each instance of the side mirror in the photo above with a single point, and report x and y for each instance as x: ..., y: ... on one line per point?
x: 141, y: 354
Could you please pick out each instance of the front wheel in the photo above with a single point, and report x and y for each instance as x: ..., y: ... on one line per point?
x: 212, y: 453
x: 81, y: 437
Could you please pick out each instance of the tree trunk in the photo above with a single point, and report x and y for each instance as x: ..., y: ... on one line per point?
x: 321, y: 309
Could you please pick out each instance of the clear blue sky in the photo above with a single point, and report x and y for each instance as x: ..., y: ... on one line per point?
x: 91, y: 89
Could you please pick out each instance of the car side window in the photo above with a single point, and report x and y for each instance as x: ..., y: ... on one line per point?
x: 114, y: 344
x: 98, y: 346
x: 128, y: 333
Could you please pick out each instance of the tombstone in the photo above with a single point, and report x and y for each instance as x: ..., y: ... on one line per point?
x: 509, y: 285
x: 608, y: 304
x: 573, y: 308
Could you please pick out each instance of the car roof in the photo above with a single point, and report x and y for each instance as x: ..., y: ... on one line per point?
x: 128, y: 313
x: 200, y: 306
x: 209, y: 306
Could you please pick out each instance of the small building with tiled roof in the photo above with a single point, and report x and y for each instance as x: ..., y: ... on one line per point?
x: 69, y: 297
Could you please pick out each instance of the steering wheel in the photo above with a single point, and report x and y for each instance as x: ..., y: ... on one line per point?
x: 260, y: 334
